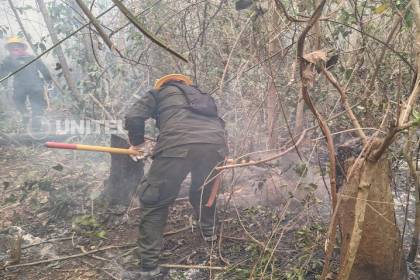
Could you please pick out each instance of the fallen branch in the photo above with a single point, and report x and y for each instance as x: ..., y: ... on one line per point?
x: 47, y: 241
x: 172, y: 232
x: 9, y: 206
x: 68, y: 257
x: 180, y: 266
x: 102, y: 270
x: 302, y: 136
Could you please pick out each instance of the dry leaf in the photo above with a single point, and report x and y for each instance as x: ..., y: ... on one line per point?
x: 316, y: 56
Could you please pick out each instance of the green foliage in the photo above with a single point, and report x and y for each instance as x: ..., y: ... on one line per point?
x: 301, y: 169
x: 87, y: 225
x: 11, y: 199
x: 416, y: 116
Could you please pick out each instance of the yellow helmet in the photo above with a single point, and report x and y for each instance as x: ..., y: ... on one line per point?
x: 172, y: 77
x: 15, y: 40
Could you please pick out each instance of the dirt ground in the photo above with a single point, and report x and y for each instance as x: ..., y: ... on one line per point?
x: 272, y: 222
x: 49, y: 197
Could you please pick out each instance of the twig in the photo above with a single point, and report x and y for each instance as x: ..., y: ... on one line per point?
x: 101, y: 269
x: 97, y: 26
x: 403, y: 121
x: 304, y: 91
x: 267, y: 159
x: 187, y: 257
x: 176, y: 231
x: 82, y: 248
x: 47, y: 241
x: 219, y: 244
x: 261, y: 244
x: 69, y: 257
x: 9, y: 206
x: 95, y: 100
x: 330, y: 241
x: 181, y: 266
x: 232, y: 50
x: 113, y: 32
x: 143, y: 30
x: 346, y: 104
x: 235, y: 238
x: 405, y: 114
x: 389, y: 47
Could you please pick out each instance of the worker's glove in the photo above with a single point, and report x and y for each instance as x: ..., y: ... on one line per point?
x: 144, y: 150
x: 139, y: 150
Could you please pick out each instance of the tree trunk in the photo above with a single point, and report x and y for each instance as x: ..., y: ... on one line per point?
x: 58, y: 50
x: 125, y: 175
x: 415, y: 174
x: 272, y: 102
x: 272, y: 116
x: 300, y: 115
x: 371, y: 247
x: 416, y: 234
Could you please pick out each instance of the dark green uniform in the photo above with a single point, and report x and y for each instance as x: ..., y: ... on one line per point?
x: 27, y: 84
x: 187, y: 143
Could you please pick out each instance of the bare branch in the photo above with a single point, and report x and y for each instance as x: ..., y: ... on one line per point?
x: 405, y: 114
x: 304, y: 91
x: 95, y: 23
x: 346, y: 105
x: 143, y: 30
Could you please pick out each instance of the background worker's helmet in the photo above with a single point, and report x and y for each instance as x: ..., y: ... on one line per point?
x: 172, y: 77
x: 15, y: 41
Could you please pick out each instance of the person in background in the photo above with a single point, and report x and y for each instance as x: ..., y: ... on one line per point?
x: 27, y: 83
x: 191, y: 140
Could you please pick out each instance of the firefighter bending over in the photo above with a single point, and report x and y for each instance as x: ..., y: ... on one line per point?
x: 191, y: 140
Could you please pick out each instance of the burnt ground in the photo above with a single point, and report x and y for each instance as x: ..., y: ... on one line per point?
x: 50, y: 198
x: 272, y: 221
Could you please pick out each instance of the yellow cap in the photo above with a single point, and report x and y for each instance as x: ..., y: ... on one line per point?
x: 172, y: 77
x: 15, y: 40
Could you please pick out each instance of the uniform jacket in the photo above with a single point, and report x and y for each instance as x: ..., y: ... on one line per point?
x: 177, y: 126
x: 29, y: 77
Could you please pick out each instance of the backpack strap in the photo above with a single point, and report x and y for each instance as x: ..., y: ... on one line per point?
x: 178, y: 86
x: 154, y: 93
